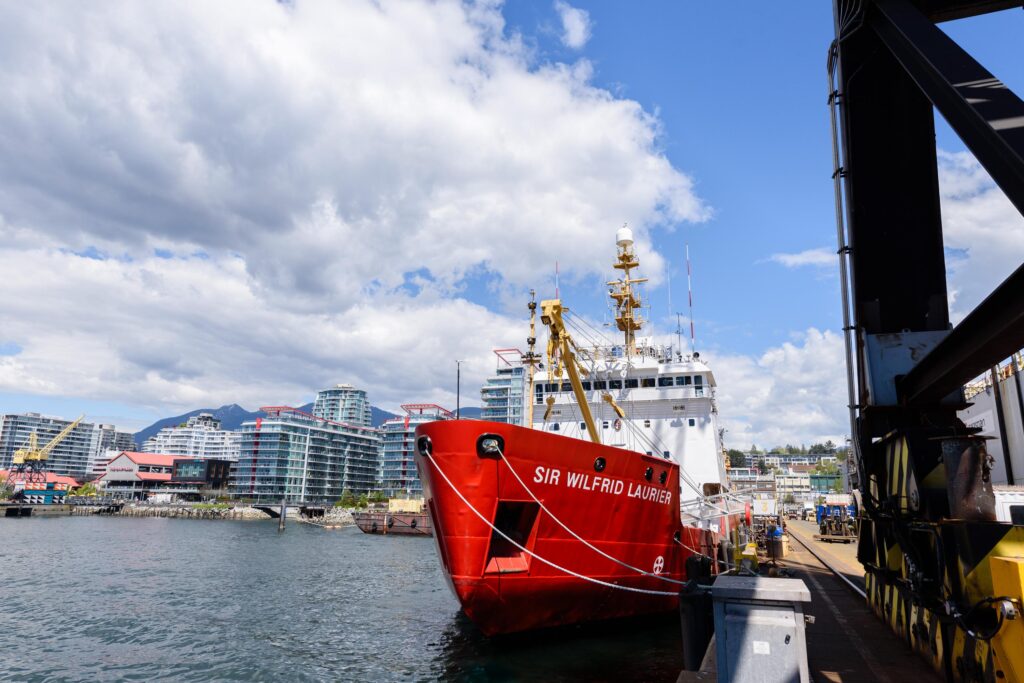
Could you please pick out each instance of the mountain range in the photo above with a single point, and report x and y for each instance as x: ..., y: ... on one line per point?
x: 232, y: 416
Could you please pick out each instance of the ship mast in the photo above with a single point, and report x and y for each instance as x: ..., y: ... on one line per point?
x: 626, y: 301
x: 530, y: 358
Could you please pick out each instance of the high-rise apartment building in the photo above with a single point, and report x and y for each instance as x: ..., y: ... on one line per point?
x: 502, y: 393
x: 75, y: 456
x: 343, y: 403
x: 398, y: 467
x: 200, y: 437
x: 302, y: 457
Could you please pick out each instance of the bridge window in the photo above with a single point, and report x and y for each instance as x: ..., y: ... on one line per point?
x: 566, y: 386
x: 665, y: 381
x: 647, y: 423
x: 586, y: 386
x: 605, y: 424
x: 632, y: 383
x: 693, y: 423
x: 615, y: 384
x: 647, y: 382
x: 583, y: 425
x: 555, y: 427
x: 550, y: 388
x: 666, y: 454
x: 698, y: 380
x: 682, y: 380
x: 600, y: 384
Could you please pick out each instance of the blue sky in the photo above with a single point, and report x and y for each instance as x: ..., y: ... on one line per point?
x: 740, y: 94
x: 201, y: 208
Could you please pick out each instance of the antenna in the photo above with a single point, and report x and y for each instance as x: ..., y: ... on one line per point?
x: 679, y: 332
x: 689, y: 289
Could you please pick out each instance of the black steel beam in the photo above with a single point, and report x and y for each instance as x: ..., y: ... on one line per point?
x: 987, y: 115
x: 947, y: 10
x: 991, y: 332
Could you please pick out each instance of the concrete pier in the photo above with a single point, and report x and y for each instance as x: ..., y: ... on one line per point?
x: 846, y: 643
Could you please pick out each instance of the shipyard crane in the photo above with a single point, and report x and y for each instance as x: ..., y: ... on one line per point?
x: 942, y: 569
x: 29, y: 462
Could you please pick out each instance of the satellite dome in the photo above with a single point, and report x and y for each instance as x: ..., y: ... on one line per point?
x: 624, y: 237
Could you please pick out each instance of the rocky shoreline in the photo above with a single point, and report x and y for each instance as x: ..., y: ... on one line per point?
x: 334, y: 517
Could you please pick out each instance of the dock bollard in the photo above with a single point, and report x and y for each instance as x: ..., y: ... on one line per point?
x: 696, y: 616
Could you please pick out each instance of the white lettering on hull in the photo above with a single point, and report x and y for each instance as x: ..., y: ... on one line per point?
x: 552, y: 476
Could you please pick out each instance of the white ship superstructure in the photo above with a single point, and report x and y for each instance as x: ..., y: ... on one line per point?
x: 641, y: 397
x: 669, y: 405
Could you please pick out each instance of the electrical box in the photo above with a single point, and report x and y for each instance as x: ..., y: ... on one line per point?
x: 759, y: 629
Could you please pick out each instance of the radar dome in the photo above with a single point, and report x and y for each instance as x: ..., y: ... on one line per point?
x: 624, y: 237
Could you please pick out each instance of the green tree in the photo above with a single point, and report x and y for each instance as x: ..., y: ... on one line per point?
x: 762, y: 466
x: 363, y: 501
x: 737, y: 458
x: 788, y: 499
x: 826, y: 468
x: 347, y: 500
x: 377, y: 497
x: 86, y: 489
x: 777, y: 450
x: 6, y: 490
x: 753, y: 449
x: 830, y: 447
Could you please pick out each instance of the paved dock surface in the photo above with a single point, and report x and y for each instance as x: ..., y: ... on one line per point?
x: 847, y: 643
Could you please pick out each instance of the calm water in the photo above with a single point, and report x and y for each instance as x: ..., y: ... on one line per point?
x: 89, y: 598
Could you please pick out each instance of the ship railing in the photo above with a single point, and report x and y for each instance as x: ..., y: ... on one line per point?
x: 713, y: 508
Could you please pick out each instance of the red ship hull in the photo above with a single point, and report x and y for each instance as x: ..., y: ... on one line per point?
x: 621, y: 503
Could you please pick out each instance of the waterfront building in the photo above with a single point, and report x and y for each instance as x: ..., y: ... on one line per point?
x: 343, y: 403
x: 302, y: 457
x: 75, y: 456
x: 199, y: 437
x: 399, y: 478
x: 50, y: 490
x: 502, y: 393
x: 136, y: 475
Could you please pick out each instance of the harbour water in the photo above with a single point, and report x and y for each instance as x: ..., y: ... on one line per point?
x: 105, y: 599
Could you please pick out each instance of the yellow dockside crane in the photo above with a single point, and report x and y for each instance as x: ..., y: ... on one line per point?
x: 30, y: 462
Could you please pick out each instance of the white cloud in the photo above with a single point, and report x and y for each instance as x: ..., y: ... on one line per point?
x: 575, y: 25
x: 820, y: 257
x: 325, y: 176
x: 794, y: 393
x: 182, y: 333
x: 981, y: 226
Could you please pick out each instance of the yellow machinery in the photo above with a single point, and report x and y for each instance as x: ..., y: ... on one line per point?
x: 562, y: 350
x: 30, y: 461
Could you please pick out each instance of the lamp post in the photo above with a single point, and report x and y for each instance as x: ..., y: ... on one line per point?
x: 458, y: 386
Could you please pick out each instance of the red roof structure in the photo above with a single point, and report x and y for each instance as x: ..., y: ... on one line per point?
x: 51, y: 478
x: 153, y: 459
x: 154, y: 476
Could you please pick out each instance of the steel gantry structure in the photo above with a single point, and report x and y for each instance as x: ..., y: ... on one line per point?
x: 940, y: 570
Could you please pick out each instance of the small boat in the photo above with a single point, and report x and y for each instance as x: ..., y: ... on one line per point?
x: 406, y: 517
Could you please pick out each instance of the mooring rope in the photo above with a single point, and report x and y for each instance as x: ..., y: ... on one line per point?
x: 535, y: 555
x: 576, y: 536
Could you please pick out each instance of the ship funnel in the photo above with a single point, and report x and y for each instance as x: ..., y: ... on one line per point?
x: 624, y: 237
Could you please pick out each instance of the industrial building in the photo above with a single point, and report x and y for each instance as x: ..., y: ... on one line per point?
x: 76, y: 455
x: 398, y: 468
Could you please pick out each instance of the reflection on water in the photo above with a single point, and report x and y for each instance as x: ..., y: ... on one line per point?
x: 88, y: 598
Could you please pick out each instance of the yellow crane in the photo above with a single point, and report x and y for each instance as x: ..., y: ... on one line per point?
x: 32, y: 458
